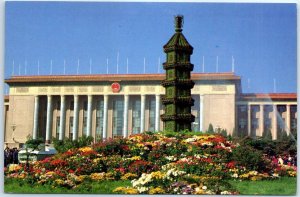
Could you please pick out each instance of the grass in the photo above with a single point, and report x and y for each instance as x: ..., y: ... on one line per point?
x: 282, y: 186
x: 104, y: 187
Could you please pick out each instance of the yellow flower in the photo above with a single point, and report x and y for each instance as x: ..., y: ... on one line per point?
x: 14, y: 167
x: 157, y: 175
x: 49, y: 174
x: 97, y: 176
x: 156, y: 190
x: 85, y: 149
x: 129, y: 176
x: 59, y: 181
x: 134, y: 158
x: 199, y: 190
x: 96, y: 160
x: 292, y: 173
x: 126, y: 190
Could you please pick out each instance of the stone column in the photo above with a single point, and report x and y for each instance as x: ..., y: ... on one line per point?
x: 201, y: 114
x: 89, y: 115
x: 62, y: 117
x: 105, y: 110
x: 249, y: 120
x: 288, y: 119
x: 125, y: 124
x: 157, y: 114
x: 261, y: 119
x: 49, y: 119
x: 274, y: 130
x: 75, y: 119
x: 35, y: 118
x: 143, y: 99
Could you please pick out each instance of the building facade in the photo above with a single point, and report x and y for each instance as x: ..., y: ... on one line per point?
x: 108, y: 106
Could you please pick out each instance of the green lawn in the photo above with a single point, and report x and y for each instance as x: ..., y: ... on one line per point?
x: 283, y: 186
x: 103, y: 187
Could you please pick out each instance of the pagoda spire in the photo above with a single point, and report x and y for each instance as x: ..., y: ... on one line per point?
x: 178, y: 84
x: 178, y: 23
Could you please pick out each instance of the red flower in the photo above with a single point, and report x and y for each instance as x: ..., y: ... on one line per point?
x: 58, y: 162
x: 231, y: 164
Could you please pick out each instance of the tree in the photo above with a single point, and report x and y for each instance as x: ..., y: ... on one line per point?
x: 32, y: 144
x: 224, y: 132
x: 282, y: 136
x: 210, y: 129
x: 234, y: 133
x: 267, y: 134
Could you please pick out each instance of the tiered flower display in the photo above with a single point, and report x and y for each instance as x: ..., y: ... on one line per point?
x: 155, y: 163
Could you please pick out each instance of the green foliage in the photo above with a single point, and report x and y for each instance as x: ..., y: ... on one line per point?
x: 235, y: 133
x: 249, y: 157
x: 282, y: 136
x: 224, y: 132
x: 271, y: 147
x: 33, y: 143
x: 66, y: 144
x: 267, y: 134
x: 210, y: 129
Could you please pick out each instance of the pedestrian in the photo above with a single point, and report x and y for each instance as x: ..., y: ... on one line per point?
x: 280, y: 160
x: 15, y: 156
x: 5, y: 159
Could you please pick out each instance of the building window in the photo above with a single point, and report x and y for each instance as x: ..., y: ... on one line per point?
x: 294, y: 123
x: 71, y: 127
x: 136, y: 116
x: 243, y: 108
x: 71, y: 105
x: 58, y: 105
x: 242, y: 123
x: 254, y: 123
x: 57, y: 126
x: 268, y: 124
x: 118, y: 108
x: 99, y: 120
x: 151, y: 115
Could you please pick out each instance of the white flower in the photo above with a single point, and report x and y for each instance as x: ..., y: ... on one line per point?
x: 204, y: 187
x: 235, y: 175
x: 142, y: 189
x: 225, y: 192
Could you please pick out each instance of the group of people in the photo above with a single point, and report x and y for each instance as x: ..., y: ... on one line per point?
x: 285, y: 160
x: 10, y: 156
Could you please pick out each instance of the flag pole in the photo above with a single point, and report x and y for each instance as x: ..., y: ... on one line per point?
x: 127, y: 66
x: 106, y: 65
x: 90, y: 66
x: 13, y: 68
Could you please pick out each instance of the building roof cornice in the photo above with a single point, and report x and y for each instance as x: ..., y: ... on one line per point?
x: 268, y: 96
x: 114, y: 77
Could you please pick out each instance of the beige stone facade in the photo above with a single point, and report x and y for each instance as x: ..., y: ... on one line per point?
x: 72, y: 106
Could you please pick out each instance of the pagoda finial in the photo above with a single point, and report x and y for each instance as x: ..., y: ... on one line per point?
x: 178, y: 23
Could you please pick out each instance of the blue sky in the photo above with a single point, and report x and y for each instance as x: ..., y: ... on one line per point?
x: 260, y: 37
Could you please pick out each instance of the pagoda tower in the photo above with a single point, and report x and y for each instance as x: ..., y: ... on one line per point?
x: 178, y: 84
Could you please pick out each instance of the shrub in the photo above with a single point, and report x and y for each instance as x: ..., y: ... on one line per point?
x: 267, y: 134
x: 67, y: 144
x: 210, y: 129
x: 248, y: 157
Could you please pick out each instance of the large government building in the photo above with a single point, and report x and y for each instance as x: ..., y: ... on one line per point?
x: 107, y: 106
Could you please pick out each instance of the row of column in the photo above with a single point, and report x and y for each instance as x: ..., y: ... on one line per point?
x: 274, y: 120
x: 89, y: 116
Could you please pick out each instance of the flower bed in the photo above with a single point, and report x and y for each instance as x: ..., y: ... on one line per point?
x: 155, y: 164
